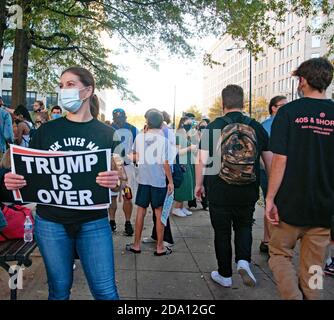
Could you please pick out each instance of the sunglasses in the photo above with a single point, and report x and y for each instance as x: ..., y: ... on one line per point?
x: 118, y: 111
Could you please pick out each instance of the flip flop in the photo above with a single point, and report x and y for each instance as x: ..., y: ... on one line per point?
x: 165, y: 253
x: 129, y: 248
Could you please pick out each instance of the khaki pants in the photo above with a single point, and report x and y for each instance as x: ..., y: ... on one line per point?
x: 314, y: 242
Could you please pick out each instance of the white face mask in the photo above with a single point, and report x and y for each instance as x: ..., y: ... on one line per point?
x: 70, y: 99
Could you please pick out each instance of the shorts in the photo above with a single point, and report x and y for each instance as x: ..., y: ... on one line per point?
x: 132, y: 183
x: 147, y: 195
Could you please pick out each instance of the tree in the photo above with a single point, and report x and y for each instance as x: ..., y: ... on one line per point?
x: 260, y: 109
x: 194, y: 110
x: 216, y: 109
x: 2, y: 25
x: 66, y: 32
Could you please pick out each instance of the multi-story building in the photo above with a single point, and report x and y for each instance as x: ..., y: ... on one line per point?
x: 271, y: 71
x: 50, y: 99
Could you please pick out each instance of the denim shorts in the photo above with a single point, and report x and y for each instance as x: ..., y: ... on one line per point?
x: 147, y: 195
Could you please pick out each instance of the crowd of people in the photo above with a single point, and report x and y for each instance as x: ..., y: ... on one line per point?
x: 220, y: 164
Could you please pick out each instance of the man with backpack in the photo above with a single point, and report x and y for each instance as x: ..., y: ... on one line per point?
x: 231, y: 147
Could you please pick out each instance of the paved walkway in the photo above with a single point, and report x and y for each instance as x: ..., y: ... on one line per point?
x: 185, y: 274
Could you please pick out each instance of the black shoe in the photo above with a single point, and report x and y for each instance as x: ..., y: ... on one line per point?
x: 128, y: 229
x: 264, y: 247
x: 113, y: 225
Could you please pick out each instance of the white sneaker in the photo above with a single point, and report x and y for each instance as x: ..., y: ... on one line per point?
x: 187, y: 212
x: 246, y: 273
x: 225, y: 282
x: 148, y: 240
x: 179, y: 212
x: 167, y: 244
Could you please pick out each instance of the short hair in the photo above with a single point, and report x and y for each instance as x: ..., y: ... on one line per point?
x: 166, y: 117
x: 273, y: 102
x: 150, y: 110
x: 154, y: 119
x: 233, y: 97
x: 40, y: 102
x: 56, y: 108
x: 22, y: 110
x: 318, y: 73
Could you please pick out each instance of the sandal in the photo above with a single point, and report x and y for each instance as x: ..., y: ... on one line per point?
x: 129, y: 248
x: 165, y: 253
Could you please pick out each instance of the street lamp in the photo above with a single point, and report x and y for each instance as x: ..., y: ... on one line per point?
x: 250, y: 77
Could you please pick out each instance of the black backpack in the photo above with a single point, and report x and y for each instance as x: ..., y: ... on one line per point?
x: 178, y: 172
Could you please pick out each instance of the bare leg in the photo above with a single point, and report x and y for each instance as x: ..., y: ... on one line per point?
x: 139, y: 227
x: 127, y: 208
x: 160, y: 230
x: 178, y: 205
x: 113, y: 207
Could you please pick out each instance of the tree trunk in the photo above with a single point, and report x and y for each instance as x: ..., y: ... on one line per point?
x: 20, y: 60
x: 20, y: 68
x: 2, y: 25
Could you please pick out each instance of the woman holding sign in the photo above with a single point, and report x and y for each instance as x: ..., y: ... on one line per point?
x: 59, y: 231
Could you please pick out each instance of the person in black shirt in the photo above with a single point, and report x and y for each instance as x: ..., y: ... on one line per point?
x: 127, y: 134
x: 60, y: 232
x: 230, y: 203
x: 300, y: 196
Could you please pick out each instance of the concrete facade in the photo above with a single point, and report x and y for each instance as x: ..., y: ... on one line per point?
x: 271, y: 72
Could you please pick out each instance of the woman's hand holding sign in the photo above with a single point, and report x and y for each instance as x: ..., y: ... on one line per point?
x: 14, y: 181
x: 108, y: 179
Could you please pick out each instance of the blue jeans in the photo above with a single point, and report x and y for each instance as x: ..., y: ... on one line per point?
x: 95, y: 248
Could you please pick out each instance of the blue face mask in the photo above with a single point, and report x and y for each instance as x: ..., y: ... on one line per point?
x: 70, y: 99
x: 55, y: 116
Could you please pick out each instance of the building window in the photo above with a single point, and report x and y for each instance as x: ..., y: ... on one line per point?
x: 316, y: 41
x: 52, y: 99
x: 298, y: 61
x: 7, y: 71
x: 7, y: 97
x: 316, y: 22
x: 315, y: 55
x: 31, y: 98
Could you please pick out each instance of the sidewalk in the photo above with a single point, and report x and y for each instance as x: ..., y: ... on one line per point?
x: 185, y: 274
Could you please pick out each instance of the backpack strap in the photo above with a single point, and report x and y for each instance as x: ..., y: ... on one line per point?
x: 247, y: 120
x: 225, y: 120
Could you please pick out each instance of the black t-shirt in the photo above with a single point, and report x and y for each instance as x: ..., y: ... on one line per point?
x: 303, y: 130
x: 65, y: 135
x: 219, y: 192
